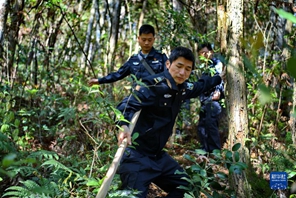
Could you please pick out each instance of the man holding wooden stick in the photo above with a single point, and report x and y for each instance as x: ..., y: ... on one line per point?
x: 159, y: 100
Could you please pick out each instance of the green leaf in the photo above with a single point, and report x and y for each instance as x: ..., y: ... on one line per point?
x: 287, y: 15
x: 135, y: 136
x: 4, y: 128
x: 216, y: 185
x: 195, y: 168
x: 190, y: 158
x: 200, y: 152
x: 221, y: 175
x: 196, y: 178
x: 265, y: 95
x: 235, y: 169
x: 32, y: 91
x: 93, y: 182
x: 236, y: 156
x: 242, y: 165
x: 228, y: 155
x: 291, y: 66
x: 236, y: 147
x: 8, y: 160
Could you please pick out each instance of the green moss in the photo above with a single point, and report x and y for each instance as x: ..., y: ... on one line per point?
x: 260, y: 187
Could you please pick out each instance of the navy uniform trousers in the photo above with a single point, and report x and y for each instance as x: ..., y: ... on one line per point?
x: 137, y: 171
x: 208, y: 130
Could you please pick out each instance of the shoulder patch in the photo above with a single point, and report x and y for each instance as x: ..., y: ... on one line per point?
x: 159, y: 51
x: 190, y: 86
x: 158, y: 79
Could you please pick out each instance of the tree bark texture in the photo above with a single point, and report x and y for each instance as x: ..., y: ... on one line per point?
x: 3, y: 16
x: 86, y: 53
x: 16, y: 7
x: 236, y: 92
x: 113, y: 37
x: 222, y: 25
x: 141, y: 19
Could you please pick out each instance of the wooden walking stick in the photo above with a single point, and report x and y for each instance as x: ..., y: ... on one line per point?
x: 114, y: 165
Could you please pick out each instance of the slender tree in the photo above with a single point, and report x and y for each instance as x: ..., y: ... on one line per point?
x: 236, y: 91
x: 3, y: 16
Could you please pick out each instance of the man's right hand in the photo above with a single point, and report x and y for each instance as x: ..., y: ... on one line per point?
x: 216, y: 95
x: 124, y: 132
x: 93, y: 81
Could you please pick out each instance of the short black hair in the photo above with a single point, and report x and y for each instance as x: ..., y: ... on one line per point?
x: 203, y: 45
x: 182, y: 52
x: 146, y: 29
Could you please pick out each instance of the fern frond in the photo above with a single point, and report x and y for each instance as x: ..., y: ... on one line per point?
x: 30, y: 184
x: 57, y: 165
x: 43, y: 154
x: 22, y: 170
x: 30, y: 189
x: 17, y: 191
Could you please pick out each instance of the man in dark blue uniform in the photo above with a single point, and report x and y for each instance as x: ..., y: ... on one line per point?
x: 207, y: 129
x: 135, y: 65
x: 159, y: 101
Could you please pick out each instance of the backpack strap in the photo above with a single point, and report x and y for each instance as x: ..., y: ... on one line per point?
x: 143, y: 61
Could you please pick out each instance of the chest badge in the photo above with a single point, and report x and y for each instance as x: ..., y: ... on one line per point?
x: 135, y: 63
x: 167, y: 95
x: 155, y: 61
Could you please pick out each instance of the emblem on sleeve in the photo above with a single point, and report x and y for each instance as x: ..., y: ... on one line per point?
x: 190, y: 86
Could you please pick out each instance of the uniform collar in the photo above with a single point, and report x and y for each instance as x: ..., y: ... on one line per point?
x: 151, y: 53
x: 172, y: 81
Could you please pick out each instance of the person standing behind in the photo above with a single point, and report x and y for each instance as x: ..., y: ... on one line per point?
x: 207, y: 128
x: 159, y: 100
x: 155, y: 60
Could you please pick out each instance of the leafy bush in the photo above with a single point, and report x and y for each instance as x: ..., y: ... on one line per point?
x: 204, y: 176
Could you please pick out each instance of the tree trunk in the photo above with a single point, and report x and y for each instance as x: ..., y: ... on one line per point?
x: 236, y: 92
x: 115, y: 9
x: 3, y: 17
x: 16, y: 19
x: 141, y: 18
x: 287, y: 55
x: 222, y: 25
x: 85, y: 56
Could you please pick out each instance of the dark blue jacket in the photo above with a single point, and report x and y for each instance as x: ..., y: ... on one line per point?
x: 160, y: 102
x: 155, y: 59
x: 207, y: 96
